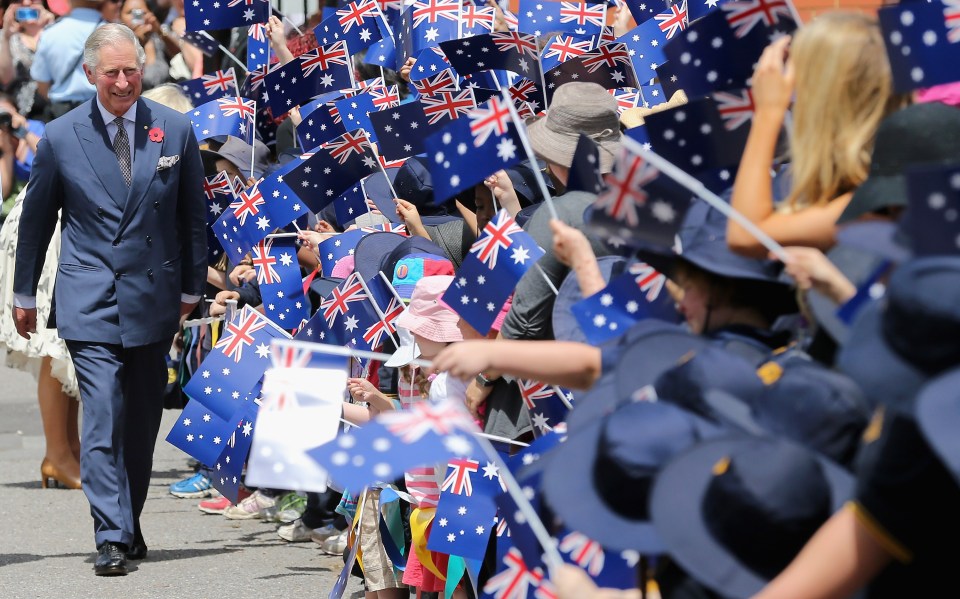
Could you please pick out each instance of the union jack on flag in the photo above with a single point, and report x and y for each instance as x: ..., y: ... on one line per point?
x: 351, y: 290
x: 458, y: 480
x: 343, y: 147
x: 744, y: 16
x: 490, y: 119
x: 583, y: 13
x: 735, y: 108
x: 606, y: 56
x: 355, y: 13
x: 626, y: 190
x: 532, y: 391
x: 237, y: 106
x: 477, y: 20
x: 565, y: 47
x: 674, y: 20
x: 265, y: 263
x: 648, y: 279
x: 248, y: 204
x: 323, y: 57
x: 212, y: 85
x: 585, y: 552
x: 240, y: 334
x: 441, y: 418
x: 951, y: 17
x: 218, y: 184
x: 522, y: 43
x: 444, y: 81
x: 224, y: 116
x: 496, y: 235
x: 432, y: 11
x: 516, y: 579
x: 445, y: 106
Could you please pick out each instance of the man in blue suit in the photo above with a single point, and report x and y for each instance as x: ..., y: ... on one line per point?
x: 126, y: 174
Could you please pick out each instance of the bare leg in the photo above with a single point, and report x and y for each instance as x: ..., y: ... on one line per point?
x: 55, y: 409
x: 388, y: 594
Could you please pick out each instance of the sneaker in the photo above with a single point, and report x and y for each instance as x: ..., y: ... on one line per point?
x: 295, y: 532
x: 319, y: 535
x: 250, y: 507
x: 336, y: 545
x: 194, y: 487
x: 287, y: 509
x: 215, y: 505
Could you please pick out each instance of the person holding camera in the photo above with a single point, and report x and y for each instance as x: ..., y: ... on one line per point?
x: 22, y: 24
x: 19, y: 137
x: 137, y: 16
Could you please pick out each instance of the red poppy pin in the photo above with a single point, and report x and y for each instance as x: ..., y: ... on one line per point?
x: 156, y: 134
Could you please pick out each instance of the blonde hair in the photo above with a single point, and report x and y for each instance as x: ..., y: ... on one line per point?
x: 170, y: 95
x: 844, y: 90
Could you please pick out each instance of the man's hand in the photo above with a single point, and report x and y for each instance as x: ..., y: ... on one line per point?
x: 242, y: 273
x: 25, y: 320
x: 219, y: 305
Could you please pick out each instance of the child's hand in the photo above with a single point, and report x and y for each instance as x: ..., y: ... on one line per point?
x: 219, y: 305
x: 465, y: 359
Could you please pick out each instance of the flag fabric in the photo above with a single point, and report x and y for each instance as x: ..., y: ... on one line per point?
x: 316, y: 330
x: 652, y: 95
x: 200, y: 433
x: 202, y: 41
x: 641, y: 206
x: 320, y: 70
x: 626, y: 300
x: 526, y: 93
x: 430, y: 62
x: 717, y: 52
x: 512, y: 51
x: 585, y: 168
x: 562, y: 47
x: 351, y: 204
x: 219, y: 195
x: 360, y: 24
x: 643, y: 11
x: 281, y: 286
x: 923, y: 43
x: 424, y: 24
x: 608, y: 568
x: 203, y: 15
x: 470, y: 148
x: 466, y: 512
x: 355, y: 111
x: 228, y: 469
x: 318, y: 125
x: 235, y: 364
x: 515, y: 579
x: 443, y: 107
x: 224, y: 116
x: 673, y: 20
x: 443, y: 81
x: 243, y: 224
x: 608, y: 66
x: 704, y: 134
x: 627, y: 98
x: 301, y: 408
x: 541, y: 17
x: 382, y: 54
x: 397, y: 441
x: 401, y: 131
x: 645, y: 45
x: 931, y: 222
x: 489, y: 273
x: 477, y: 20
x: 387, y: 303
x: 218, y: 84
x: 258, y: 47
x: 547, y: 405
x: 331, y: 250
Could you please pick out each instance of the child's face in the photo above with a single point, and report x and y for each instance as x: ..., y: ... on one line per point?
x: 429, y: 349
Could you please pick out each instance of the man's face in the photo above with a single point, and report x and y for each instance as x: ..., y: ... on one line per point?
x: 117, y: 77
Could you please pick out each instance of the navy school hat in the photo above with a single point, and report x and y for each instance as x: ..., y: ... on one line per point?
x: 908, y: 336
x: 735, y: 511
x: 378, y: 190
x: 938, y: 417
x: 805, y: 402
x: 649, y: 348
x: 410, y: 245
x: 372, y: 252
x: 598, y: 482
x: 565, y: 326
x: 883, y: 238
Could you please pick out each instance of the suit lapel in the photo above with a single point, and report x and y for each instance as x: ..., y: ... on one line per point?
x: 146, y: 154
x: 99, y: 152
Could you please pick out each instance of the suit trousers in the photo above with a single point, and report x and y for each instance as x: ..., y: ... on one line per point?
x: 121, y: 389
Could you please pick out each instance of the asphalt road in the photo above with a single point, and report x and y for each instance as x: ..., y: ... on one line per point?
x: 46, y: 536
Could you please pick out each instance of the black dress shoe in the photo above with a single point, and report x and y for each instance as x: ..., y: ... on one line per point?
x: 138, y: 550
x: 111, y: 560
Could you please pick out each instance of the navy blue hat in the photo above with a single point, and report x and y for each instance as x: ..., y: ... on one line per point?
x: 805, y: 402
x: 565, y: 326
x: 410, y: 245
x: 324, y: 286
x: 858, y: 266
x: 937, y: 415
x: 901, y: 340
x: 649, y: 348
x: 414, y: 184
x: 880, y: 237
x: 598, y: 482
x: 372, y: 252
x: 734, y: 512
x: 378, y: 190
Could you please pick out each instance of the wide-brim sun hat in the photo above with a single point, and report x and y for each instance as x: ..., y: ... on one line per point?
x: 938, y: 415
x: 427, y: 315
x: 371, y: 254
x: 598, y: 481
x: 406, y: 353
x: 694, y: 506
x: 577, y: 107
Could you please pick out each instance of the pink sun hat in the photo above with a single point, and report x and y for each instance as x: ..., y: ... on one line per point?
x: 427, y: 315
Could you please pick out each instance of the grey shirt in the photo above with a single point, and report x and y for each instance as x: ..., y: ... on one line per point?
x: 531, y: 315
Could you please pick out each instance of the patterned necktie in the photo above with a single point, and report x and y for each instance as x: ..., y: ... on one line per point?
x: 121, y: 147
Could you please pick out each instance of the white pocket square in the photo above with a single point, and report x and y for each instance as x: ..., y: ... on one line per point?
x: 167, y: 161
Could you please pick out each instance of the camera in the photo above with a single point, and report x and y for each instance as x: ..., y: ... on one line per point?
x: 26, y: 13
x: 136, y: 16
x: 6, y: 120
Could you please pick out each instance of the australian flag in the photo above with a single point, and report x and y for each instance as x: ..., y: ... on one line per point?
x: 609, y: 66
x: 224, y: 116
x: 608, y: 568
x: 541, y: 17
x: 339, y: 246
x: 643, y: 10
x: 709, y: 133
x: 397, y: 441
x: 472, y: 147
x: 477, y: 20
x: 355, y: 111
x: 228, y: 469
x: 424, y: 24
x: 359, y: 24
x: 218, y: 84
x: 443, y: 107
x: 444, y: 81
x: 202, y: 41
x: 281, y: 287
x: 219, y: 194
x: 562, y: 47
x: 548, y: 405
x: 490, y: 272
x: 923, y: 43
x: 201, y: 433
x: 931, y: 222
x: 641, y: 206
x: 526, y: 94
x: 585, y: 168
x: 401, y: 131
x: 626, y: 300
x: 509, y: 51
x: 258, y: 47
x: 235, y: 364
x: 431, y: 62
x: 645, y: 45
x: 323, y: 69
x: 389, y: 306
x: 201, y: 15
x: 243, y: 224
x: 318, y: 125
x: 466, y: 512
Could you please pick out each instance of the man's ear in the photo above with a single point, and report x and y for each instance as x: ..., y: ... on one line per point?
x: 90, y: 75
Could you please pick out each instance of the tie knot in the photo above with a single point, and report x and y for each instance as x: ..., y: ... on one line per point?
x: 118, y: 121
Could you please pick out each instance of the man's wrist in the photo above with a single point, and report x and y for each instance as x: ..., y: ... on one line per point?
x: 484, y: 381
